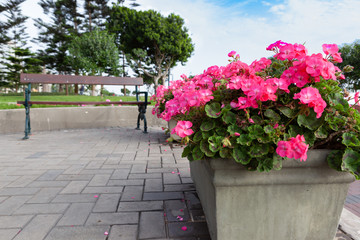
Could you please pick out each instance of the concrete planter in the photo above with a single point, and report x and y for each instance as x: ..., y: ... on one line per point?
x: 171, y: 124
x: 302, y: 201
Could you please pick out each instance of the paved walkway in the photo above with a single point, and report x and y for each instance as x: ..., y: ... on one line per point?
x: 98, y: 184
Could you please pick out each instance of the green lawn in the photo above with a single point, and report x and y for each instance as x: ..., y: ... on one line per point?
x: 9, y: 102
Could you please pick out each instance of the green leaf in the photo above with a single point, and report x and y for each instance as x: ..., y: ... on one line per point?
x: 309, y: 137
x: 240, y: 155
x: 221, y: 131
x: 257, y: 120
x: 310, y: 121
x: 268, y: 129
x: 204, y: 146
x: 229, y: 117
x: 208, y: 134
x: 197, y: 153
x: 225, y: 152
x: 212, y: 110
x: 321, y: 132
x: 334, y: 159
x: 265, y: 165
x: 207, y: 125
x: 258, y: 150
x: 351, y: 162
x: 272, y: 115
x: 232, y: 129
x: 335, y: 122
x: 186, y: 151
x: 350, y: 139
x: 198, y: 136
x: 287, y: 112
x: 277, y: 162
x: 255, y: 131
x: 215, y: 143
x: 338, y: 101
x: 244, y: 139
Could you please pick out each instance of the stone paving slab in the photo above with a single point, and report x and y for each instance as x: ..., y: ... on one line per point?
x: 101, y: 184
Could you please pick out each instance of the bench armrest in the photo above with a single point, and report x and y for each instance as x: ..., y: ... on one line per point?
x: 146, y: 96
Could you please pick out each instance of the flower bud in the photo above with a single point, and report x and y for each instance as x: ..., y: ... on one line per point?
x: 348, y: 69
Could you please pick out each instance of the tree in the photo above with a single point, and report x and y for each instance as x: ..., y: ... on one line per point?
x: 56, y: 34
x: 350, y: 54
x: 125, y: 91
x: 18, y: 61
x: 95, y: 14
x: 17, y: 57
x: 153, y: 43
x: 95, y: 53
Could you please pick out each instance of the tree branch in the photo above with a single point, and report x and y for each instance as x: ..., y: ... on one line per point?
x: 329, y: 138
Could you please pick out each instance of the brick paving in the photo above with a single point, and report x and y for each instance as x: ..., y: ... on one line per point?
x: 100, y: 184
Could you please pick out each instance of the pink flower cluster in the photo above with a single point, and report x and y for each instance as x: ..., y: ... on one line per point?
x: 312, y: 98
x: 294, y: 148
x: 183, y: 129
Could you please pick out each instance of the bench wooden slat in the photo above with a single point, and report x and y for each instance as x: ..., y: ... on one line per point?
x: 80, y: 103
x: 86, y: 80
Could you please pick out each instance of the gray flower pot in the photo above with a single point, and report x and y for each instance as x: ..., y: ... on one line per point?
x: 302, y: 201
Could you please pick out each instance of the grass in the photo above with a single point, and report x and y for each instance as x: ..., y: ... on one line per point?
x: 9, y: 102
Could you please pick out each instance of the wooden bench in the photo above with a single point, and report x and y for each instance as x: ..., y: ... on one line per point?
x: 26, y: 78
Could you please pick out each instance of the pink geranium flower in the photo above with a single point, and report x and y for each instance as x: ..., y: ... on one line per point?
x: 183, y: 129
x: 294, y: 148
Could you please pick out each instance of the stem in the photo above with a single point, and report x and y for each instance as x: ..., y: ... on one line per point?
x: 331, y: 136
x: 300, y: 112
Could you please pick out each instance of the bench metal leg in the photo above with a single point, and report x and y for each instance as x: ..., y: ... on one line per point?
x: 27, y: 123
x: 141, y: 116
x: 27, y: 112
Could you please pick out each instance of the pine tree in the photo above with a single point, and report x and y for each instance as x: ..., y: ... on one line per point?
x: 96, y: 12
x: 56, y: 34
x: 16, y: 57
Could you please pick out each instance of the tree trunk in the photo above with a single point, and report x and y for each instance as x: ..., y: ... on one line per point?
x: 92, y: 90
x: 124, y: 90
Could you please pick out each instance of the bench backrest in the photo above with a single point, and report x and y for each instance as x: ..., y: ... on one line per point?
x: 72, y: 79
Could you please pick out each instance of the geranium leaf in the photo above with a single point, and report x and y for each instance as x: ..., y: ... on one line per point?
x: 277, y: 162
x: 310, y: 121
x: 215, y: 143
x: 229, y: 117
x: 338, y: 101
x: 351, y: 162
x: 265, y: 165
x: 335, y: 122
x: 334, y: 159
x: 197, y: 153
x: 287, y: 112
x: 207, y: 125
x: 269, y: 129
x: 272, y: 115
x: 204, y: 146
x: 186, y: 151
x: 244, y: 139
x: 350, y: 139
x: 255, y: 131
x: 225, y: 152
x: 207, y: 134
x: 232, y: 129
x: 198, y: 136
x: 213, y: 110
x: 240, y: 155
x: 258, y: 150
x: 321, y: 132
x: 221, y: 131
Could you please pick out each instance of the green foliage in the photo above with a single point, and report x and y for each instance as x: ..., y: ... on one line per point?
x: 350, y: 54
x: 94, y: 53
x: 152, y: 43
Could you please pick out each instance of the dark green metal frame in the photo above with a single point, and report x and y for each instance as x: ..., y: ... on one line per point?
x: 27, y: 106
x: 142, y: 110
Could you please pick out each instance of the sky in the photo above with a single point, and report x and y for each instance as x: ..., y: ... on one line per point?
x: 249, y: 26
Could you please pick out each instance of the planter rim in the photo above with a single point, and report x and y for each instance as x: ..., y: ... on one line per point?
x: 226, y: 172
